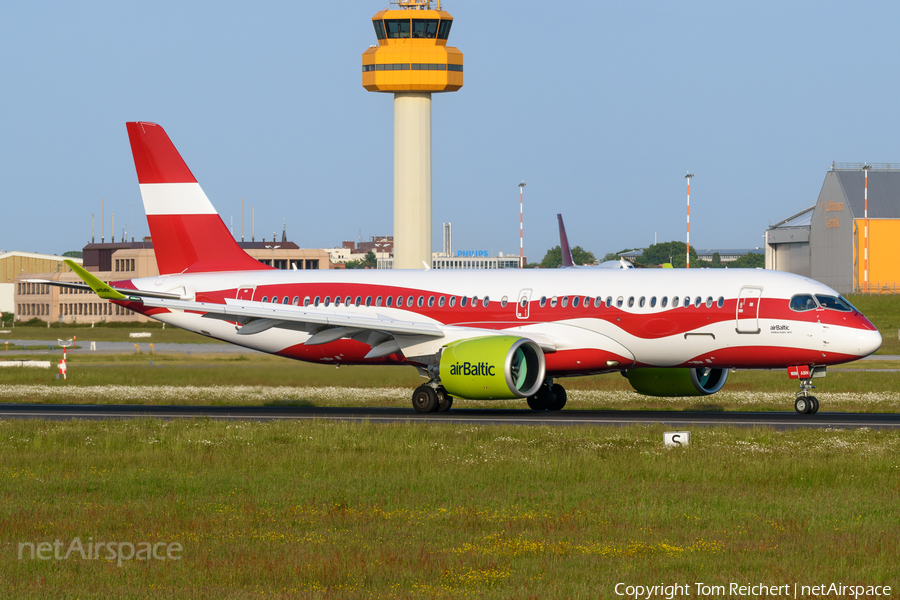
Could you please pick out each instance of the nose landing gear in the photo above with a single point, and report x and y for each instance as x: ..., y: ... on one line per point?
x: 806, y: 404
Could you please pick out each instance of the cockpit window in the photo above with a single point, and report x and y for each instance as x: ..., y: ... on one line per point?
x: 832, y: 303
x: 397, y: 28
x: 803, y: 303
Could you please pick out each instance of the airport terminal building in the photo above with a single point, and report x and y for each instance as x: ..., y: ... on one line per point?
x: 827, y: 241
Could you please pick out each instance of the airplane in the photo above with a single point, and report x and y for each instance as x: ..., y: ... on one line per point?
x: 480, y: 334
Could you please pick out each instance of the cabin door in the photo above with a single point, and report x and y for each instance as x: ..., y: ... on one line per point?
x: 245, y: 293
x: 748, y: 310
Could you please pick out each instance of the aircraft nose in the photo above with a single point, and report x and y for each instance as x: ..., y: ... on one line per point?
x: 867, y: 341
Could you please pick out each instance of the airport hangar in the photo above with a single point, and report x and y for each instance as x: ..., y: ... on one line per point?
x: 827, y: 241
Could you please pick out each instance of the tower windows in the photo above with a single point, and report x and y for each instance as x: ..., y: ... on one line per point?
x: 444, y: 31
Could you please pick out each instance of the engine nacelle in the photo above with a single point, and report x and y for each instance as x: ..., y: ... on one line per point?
x: 498, y: 367
x: 700, y: 381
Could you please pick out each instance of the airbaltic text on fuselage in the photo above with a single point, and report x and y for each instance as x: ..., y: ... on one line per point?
x: 478, y: 369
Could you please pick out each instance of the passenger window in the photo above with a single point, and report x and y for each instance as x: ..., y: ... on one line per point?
x: 378, y: 301
x: 337, y: 300
x: 664, y: 301
x: 619, y: 302
x: 675, y: 301
x: 358, y: 301
x: 421, y: 301
x: 327, y: 300
x: 543, y: 301
x: 265, y: 299
x: 296, y: 300
x: 316, y: 301
x: 430, y: 301
x: 389, y: 301
x: 565, y: 301
x: 452, y: 301
x: 642, y: 301
x: 709, y: 302
x: 697, y: 301
x: 399, y: 301
x: 597, y: 302
x: 463, y: 301
x: 653, y: 302
x: 368, y: 300
x: 503, y: 302
x: 553, y: 302
x: 608, y: 301
x: 631, y: 302
x: 409, y: 301
x: 575, y: 300
x: 474, y: 301
x: 285, y: 301
x: 347, y: 300
x: 486, y: 302
x: 306, y: 301
x: 803, y: 303
x: 721, y: 302
x: 441, y: 302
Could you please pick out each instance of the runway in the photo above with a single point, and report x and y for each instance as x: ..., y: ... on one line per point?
x: 468, y: 416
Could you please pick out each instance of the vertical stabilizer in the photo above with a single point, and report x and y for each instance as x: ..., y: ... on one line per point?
x: 564, y: 245
x: 188, y: 234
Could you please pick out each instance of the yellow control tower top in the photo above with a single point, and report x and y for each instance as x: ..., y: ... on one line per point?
x: 412, y: 54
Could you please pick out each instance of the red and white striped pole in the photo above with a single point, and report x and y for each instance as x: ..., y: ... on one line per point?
x: 866, y: 233
x: 688, y: 177
x: 521, y: 236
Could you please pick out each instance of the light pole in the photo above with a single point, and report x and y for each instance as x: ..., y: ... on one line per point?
x: 688, y: 177
x: 273, y: 252
x: 866, y: 168
x: 521, y: 237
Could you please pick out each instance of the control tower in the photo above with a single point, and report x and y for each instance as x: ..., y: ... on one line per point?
x: 412, y: 61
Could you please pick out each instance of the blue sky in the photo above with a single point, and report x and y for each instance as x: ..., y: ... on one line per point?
x: 601, y: 107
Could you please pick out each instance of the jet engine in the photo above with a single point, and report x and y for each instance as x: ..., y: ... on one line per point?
x: 492, y: 368
x: 700, y: 381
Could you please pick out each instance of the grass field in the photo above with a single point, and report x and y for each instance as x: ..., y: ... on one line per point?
x: 324, y: 510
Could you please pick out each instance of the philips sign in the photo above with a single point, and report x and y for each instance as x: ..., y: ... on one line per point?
x: 471, y: 254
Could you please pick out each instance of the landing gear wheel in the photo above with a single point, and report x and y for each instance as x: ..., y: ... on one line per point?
x: 425, y: 399
x: 445, y: 400
x: 815, y: 405
x: 803, y: 405
x: 541, y: 400
x: 558, y: 397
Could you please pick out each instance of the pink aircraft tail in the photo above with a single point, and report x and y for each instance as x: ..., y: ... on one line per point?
x: 188, y: 234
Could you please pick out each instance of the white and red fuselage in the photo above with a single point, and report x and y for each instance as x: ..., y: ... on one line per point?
x: 567, y: 306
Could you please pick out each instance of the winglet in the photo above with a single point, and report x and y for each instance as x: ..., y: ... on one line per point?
x: 564, y: 245
x: 100, y: 288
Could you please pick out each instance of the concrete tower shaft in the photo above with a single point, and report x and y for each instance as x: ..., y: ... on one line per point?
x: 412, y: 180
x: 412, y: 61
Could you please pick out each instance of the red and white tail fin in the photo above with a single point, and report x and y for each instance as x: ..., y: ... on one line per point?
x: 188, y: 234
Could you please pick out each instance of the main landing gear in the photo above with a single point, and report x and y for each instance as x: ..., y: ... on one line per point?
x: 550, y: 396
x: 428, y: 399
x: 806, y: 404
